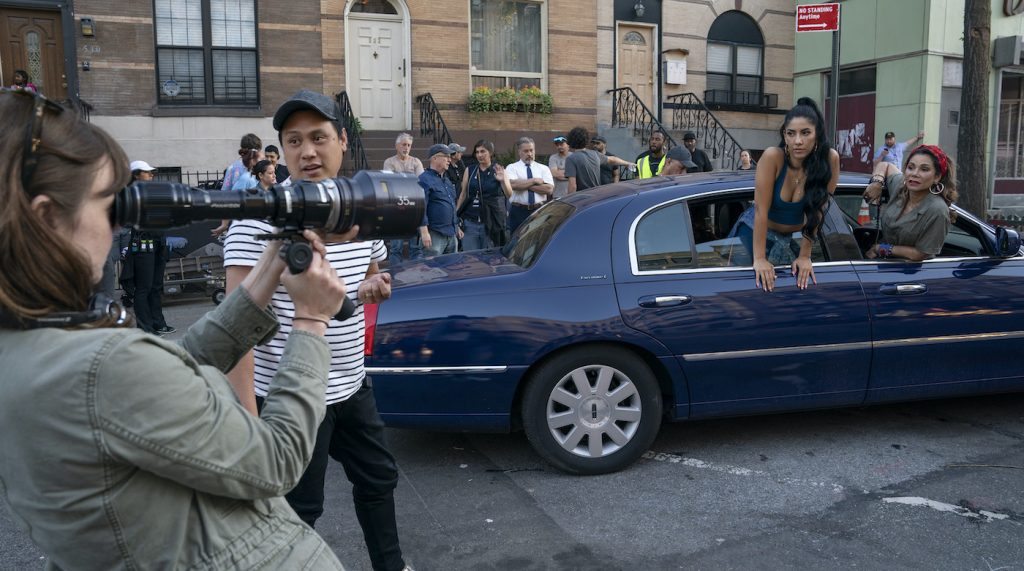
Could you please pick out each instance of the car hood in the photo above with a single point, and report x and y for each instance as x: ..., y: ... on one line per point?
x: 451, y: 267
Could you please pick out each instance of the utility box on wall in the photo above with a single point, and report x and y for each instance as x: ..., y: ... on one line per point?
x: 673, y: 66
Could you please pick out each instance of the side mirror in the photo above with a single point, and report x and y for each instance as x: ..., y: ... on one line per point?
x: 1007, y: 242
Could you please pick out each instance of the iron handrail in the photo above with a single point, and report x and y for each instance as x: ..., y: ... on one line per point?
x: 691, y: 114
x: 431, y: 121
x: 355, y: 143
x: 629, y: 111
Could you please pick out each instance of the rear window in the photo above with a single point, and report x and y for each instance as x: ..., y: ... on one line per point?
x: 533, y: 236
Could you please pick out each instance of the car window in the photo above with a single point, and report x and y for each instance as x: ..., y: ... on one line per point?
x: 533, y: 236
x: 964, y: 239
x: 662, y: 242
x: 714, y: 225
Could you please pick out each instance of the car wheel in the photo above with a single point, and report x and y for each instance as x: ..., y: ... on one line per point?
x: 218, y: 296
x: 592, y: 410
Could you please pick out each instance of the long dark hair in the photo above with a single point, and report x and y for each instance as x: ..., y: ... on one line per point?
x: 487, y: 146
x: 817, y: 165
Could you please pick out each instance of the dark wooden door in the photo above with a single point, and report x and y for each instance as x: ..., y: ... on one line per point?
x: 31, y: 40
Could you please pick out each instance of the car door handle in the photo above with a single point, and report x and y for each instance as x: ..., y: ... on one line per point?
x: 903, y: 289
x: 664, y: 300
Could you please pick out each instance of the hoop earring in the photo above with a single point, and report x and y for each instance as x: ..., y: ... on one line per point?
x: 937, y: 188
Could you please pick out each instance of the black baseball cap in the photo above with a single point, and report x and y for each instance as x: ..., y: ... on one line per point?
x: 890, y: 134
x: 306, y: 100
x: 689, y: 135
x: 598, y: 139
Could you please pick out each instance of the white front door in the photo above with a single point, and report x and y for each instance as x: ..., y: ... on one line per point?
x: 378, y: 78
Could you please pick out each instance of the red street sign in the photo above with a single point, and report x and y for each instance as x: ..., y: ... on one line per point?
x: 817, y: 18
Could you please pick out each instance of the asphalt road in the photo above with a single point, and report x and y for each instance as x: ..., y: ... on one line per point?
x: 930, y: 485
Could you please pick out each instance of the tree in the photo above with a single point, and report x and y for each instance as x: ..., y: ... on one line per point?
x: 972, y: 175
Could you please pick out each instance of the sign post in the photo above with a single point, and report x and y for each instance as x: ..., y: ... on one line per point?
x: 825, y: 18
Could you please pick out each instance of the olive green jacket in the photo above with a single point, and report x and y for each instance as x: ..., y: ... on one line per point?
x: 120, y: 450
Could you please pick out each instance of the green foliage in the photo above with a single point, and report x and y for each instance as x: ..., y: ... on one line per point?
x: 507, y: 157
x: 480, y: 100
x: 527, y: 100
x: 355, y: 126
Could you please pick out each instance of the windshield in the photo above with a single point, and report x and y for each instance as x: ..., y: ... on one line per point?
x: 533, y: 236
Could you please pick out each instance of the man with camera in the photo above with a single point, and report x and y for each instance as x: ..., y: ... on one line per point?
x: 314, y: 142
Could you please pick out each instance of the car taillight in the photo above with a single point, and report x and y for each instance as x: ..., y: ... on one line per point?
x: 370, y: 317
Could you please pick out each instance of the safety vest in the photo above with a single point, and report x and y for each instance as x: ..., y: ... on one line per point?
x: 643, y: 166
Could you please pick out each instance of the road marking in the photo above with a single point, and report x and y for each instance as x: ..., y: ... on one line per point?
x: 944, y: 507
x: 736, y: 470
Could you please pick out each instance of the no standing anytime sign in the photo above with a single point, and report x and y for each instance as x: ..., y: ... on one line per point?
x: 817, y: 18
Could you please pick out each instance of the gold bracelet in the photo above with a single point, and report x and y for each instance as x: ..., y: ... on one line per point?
x: 324, y: 321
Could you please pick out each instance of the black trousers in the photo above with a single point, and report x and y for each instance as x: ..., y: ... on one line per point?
x: 149, y: 286
x: 516, y: 216
x: 352, y: 433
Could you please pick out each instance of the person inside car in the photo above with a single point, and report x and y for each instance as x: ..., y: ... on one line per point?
x: 913, y: 225
x: 792, y: 185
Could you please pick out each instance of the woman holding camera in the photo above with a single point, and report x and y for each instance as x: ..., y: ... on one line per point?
x: 913, y: 225
x: 120, y: 449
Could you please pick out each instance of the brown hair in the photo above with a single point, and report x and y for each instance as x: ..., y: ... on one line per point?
x: 70, y: 153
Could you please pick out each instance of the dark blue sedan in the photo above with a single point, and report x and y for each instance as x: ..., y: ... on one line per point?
x: 621, y: 306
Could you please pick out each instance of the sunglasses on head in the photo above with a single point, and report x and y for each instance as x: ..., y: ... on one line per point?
x: 33, y: 131
x: 33, y: 138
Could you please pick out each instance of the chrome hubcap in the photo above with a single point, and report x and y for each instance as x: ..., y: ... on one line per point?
x: 594, y: 411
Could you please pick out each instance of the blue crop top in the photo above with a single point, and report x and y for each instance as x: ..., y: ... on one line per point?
x: 781, y: 211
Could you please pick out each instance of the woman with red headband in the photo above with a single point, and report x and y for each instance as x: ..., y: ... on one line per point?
x: 914, y: 223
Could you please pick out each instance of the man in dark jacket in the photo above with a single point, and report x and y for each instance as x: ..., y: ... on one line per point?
x: 440, y: 232
x: 699, y: 156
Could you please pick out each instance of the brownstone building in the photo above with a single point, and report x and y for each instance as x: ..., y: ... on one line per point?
x: 179, y: 81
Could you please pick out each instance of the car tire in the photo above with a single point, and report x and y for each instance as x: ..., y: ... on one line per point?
x: 218, y: 296
x: 592, y: 410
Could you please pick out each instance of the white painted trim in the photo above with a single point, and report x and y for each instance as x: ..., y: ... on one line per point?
x: 406, y: 18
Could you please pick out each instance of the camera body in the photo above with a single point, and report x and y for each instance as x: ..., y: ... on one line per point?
x: 383, y: 205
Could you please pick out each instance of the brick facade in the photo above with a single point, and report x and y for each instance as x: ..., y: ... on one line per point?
x: 302, y: 44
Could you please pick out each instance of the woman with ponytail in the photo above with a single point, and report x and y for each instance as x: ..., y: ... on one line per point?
x: 792, y: 187
x: 249, y: 151
x: 913, y: 225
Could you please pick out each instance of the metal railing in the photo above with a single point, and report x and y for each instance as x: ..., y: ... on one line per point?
x: 755, y: 99
x: 356, y: 149
x: 431, y: 121
x: 208, y: 180
x: 629, y: 111
x: 689, y: 113
x: 80, y: 106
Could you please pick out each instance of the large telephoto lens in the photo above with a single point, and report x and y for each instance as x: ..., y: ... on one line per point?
x: 384, y: 205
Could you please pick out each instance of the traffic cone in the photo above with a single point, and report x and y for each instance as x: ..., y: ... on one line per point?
x: 864, y: 216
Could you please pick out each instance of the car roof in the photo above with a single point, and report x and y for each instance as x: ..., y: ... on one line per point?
x: 668, y: 187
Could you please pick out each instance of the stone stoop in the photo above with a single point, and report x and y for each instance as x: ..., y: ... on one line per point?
x: 379, y: 145
x: 622, y: 143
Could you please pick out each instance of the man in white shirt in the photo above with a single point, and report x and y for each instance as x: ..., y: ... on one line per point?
x: 352, y: 432
x: 532, y: 184
x: 402, y: 161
